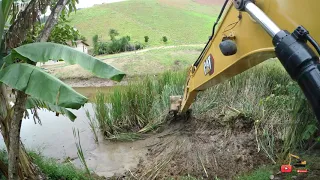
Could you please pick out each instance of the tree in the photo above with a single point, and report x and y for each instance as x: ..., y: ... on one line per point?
x: 113, y: 33
x: 164, y: 39
x: 146, y: 39
x: 18, y: 72
x: 62, y: 33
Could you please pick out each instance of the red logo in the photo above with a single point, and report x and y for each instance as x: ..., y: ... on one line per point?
x: 286, y: 168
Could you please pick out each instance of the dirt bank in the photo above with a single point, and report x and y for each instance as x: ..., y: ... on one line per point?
x: 91, y: 82
x: 206, y: 148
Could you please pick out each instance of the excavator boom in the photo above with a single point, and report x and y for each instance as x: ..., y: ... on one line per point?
x: 252, y: 31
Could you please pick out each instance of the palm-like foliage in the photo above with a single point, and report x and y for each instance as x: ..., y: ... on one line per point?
x: 53, y: 94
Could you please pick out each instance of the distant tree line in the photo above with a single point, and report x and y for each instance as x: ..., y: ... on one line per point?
x: 118, y: 44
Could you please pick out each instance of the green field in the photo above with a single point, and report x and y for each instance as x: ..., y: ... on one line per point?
x: 182, y: 21
x: 152, y: 61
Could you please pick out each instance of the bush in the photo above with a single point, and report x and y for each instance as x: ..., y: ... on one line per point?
x: 164, y: 39
x: 115, y: 46
x: 146, y: 39
x: 113, y: 33
x: 96, y: 45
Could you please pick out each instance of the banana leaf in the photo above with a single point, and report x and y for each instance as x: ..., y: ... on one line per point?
x: 41, y: 85
x: 38, y: 104
x: 45, y: 51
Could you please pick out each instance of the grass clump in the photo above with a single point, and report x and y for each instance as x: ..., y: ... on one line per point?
x: 262, y: 173
x: 139, y: 107
x: 50, y: 167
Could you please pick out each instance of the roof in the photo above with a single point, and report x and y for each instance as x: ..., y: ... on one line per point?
x: 83, y: 42
x: 78, y: 41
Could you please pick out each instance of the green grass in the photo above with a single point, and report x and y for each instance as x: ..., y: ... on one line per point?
x: 150, y: 62
x: 183, y: 22
x: 262, y: 173
x: 51, y: 168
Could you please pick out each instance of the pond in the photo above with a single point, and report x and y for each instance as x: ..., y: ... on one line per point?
x: 54, y: 138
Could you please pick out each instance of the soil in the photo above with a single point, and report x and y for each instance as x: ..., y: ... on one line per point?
x: 89, y: 82
x: 205, y: 148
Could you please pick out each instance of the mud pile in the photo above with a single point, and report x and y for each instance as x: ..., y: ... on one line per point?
x: 205, y: 148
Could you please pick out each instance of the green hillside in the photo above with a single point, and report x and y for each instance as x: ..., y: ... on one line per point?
x: 182, y: 21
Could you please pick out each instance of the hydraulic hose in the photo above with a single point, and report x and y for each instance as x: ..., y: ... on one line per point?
x: 301, y: 62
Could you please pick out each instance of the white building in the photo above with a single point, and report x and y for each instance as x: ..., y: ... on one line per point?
x: 81, y: 46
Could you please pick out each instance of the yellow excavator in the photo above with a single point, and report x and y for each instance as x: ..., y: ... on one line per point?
x: 252, y: 31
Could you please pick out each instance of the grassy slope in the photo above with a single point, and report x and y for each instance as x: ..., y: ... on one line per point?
x: 149, y: 62
x: 182, y: 21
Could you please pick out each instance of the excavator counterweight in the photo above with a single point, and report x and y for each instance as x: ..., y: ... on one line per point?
x: 252, y: 31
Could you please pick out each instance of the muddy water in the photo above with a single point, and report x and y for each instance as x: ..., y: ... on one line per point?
x: 54, y: 138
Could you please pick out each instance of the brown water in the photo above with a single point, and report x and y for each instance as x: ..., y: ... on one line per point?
x: 54, y: 138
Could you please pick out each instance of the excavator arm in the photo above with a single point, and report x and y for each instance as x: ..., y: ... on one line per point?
x: 252, y: 31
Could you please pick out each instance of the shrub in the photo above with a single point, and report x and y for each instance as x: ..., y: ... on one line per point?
x: 95, y: 40
x: 113, y: 33
x: 164, y: 39
x: 115, y: 46
x: 146, y: 39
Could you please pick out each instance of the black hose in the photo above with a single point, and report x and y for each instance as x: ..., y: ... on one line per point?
x: 213, y: 29
x: 314, y: 43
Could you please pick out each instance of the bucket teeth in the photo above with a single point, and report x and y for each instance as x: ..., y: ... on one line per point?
x: 175, y: 103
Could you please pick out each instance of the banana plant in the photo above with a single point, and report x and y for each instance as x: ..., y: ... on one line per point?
x: 45, y: 90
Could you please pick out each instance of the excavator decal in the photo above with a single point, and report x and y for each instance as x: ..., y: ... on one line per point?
x: 209, y: 65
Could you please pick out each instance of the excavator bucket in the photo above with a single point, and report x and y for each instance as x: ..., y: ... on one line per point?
x: 175, y: 103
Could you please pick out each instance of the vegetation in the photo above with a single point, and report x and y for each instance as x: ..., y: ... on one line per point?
x: 19, y: 72
x: 131, y: 110
x: 50, y: 167
x: 62, y: 33
x: 165, y: 39
x: 133, y: 64
x: 264, y: 93
x: 116, y: 45
x: 76, y: 135
x: 262, y: 173
x: 170, y: 17
x: 267, y: 95
x: 146, y: 39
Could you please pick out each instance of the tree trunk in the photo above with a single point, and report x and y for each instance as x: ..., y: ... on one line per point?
x: 20, y: 164
x: 14, y: 135
x: 52, y: 20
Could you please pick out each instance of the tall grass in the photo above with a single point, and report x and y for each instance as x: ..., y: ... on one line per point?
x: 265, y: 94
x: 76, y: 135
x: 93, y: 127
x: 139, y: 107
